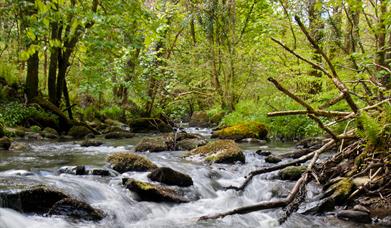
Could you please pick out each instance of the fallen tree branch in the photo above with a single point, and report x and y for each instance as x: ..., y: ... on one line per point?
x: 281, y: 202
x: 305, y: 112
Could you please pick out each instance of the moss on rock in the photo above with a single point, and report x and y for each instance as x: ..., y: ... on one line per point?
x: 79, y: 132
x: 154, y: 193
x: 152, y: 144
x: 341, y: 190
x: 126, y: 161
x: 221, y: 151
x: 242, y: 131
x: 291, y: 172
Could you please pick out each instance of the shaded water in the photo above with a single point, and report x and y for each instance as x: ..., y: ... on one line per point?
x: 40, y: 162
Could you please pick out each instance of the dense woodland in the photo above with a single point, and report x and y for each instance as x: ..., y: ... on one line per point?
x: 300, y: 68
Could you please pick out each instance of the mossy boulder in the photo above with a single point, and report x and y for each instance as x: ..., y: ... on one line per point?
x: 152, y: 144
x: 49, y: 133
x: 5, y: 143
x: 340, y: 190
x: 35, y: 129
x: 291, y: 173
x: 79, y: 132
x: 119, y: 135
x: 220, y: 151
x: 199, y: 119
x: 151, y: 192
x: 189, y: 144
x: 143, y: 125
x: 76, y: 209
x: 126, y: 161
x: 273, y: 159
x: 37, y: 199
x: 242, y: 131
x: 169, y: 176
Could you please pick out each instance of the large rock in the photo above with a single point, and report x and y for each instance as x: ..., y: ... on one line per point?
x: 36, y: 199
x: 79, y: 132
x: 152, y: 144
x: 355, y: 216
x: 49, y: 133
x: 119, y: 135
x: 169, y: 176
x: 291, y: 173
x: 242, y: 131
x: 5, y: 143
x: 154, y: 193
x: 142, y: 125
x: 273, y: 159
x: 221, y: 151
x: 76, y: 209
x: 189, y: 144
x: 126, y: 161
x: 199, y: 119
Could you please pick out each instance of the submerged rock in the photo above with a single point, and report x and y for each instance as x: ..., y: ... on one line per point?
x: 152, y: 144
x: 79, y: 132
x: 75, y: 170
x: 126, y: 161
x: 263, y: 153
x: 37, y: 199
x: 199, y: 119
x: 169, y: 176
x: 272, y: 159
x: 154, y: 193
x: 291, y: 173
x: 241, y: 131
x: 76, y: 209
x: 221, y: 151
x: 119, y: 135
x: 355, y: 216
x: 5, y: 143
x: 100, y: 172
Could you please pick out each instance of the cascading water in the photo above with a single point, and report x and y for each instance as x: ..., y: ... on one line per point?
x: 121, y: 206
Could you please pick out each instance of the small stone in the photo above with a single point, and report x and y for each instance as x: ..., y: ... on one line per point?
x: 89, y: 142
x: 263, y: 153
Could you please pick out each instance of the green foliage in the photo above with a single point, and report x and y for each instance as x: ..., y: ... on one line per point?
x: 14, y: 113
x: 35, y: 128
x: 372, y: 128
x: 282, y: 127
x: 113, y: 112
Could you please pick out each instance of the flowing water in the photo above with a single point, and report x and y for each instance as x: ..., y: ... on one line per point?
x: 40, y: 162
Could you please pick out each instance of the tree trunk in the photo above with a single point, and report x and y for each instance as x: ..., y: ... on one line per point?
x: 54, y: 55
x: 32, y: 76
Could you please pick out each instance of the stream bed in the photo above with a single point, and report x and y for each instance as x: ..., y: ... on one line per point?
x: 41, y: 160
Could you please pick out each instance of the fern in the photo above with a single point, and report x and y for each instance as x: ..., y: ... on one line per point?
x: 372, y: 128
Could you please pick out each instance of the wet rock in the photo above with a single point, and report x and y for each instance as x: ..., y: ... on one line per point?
x: 126, y: 161
x: 49, y: 133
x: 152, y: 144
x: 378, y: 206
x: 314, y: 143
x: 272, y: 159
x: 340, y: 190
x: 76, y: 209
x: 75, y: 170
x: 221, y: 151
x: 199, y: 119
x: 169, y: 176
x: 355, y: 216
x: 37, y: 199
x: 33, y: 136
x: 291, y: 173
x: 100, y: 172
x: 142, y: 125
x: 241, y: 131
x: 89, y: 142
x: 119, y: 135
x: 189, y: 144
x: 5, y: 143
x: 263, y: 153
x: 154, y: 193
x: 79, y: 132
